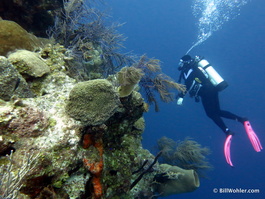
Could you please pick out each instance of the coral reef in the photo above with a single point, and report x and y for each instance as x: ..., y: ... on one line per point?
x: 13, y: 36
x: 61, y: 138
x: 88, y: 139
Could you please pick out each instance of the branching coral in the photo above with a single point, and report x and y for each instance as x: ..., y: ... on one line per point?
x: 156, y: 81
x: 163, y: 84
x: 10, y: 181
x: 83, y: 31
x: 187, y: 154
x: 146, y: 171
x: 191, y: 155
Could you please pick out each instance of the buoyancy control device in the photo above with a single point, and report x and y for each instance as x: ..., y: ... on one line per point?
x: 210, y: 73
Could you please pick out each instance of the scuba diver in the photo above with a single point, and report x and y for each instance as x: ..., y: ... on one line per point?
x: 203, y: 82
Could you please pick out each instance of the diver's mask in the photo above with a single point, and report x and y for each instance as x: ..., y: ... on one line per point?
x: 182, y: 63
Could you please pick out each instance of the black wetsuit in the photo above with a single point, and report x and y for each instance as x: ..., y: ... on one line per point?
x: 199, y: 86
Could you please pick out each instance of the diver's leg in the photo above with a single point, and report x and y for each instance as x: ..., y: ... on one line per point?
x: 211, y: 106
x: 229, y: 115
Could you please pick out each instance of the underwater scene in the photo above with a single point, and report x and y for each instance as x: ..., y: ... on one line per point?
x: 129, y: 99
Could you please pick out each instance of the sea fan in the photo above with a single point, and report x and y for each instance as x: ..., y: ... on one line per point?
x: 155, y: 81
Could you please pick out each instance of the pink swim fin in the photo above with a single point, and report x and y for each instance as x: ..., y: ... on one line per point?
x: 227, y: 149
x: 252, y: 137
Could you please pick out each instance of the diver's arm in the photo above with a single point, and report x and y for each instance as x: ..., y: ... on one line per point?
x: 181, y: 95
x: 180, y: 98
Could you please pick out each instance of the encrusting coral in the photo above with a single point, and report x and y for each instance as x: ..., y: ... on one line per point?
x: 29, y: 64
x: 28, y: 122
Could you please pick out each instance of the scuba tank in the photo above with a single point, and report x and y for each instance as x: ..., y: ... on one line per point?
x: 210, y: 73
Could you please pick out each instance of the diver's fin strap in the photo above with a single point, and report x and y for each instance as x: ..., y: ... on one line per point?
x: 227, y: 145
x: 252, y: 137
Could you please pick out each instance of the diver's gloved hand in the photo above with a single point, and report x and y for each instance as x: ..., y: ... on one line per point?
x: 180, y: 101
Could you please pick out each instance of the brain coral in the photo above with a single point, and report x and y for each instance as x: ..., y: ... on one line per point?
x: 92, y: 102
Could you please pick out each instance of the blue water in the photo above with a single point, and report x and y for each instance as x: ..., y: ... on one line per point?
x: 166, y: 30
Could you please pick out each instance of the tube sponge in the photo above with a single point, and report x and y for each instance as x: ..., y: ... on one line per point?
x: 128, y: 77
x: 175, y: 180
